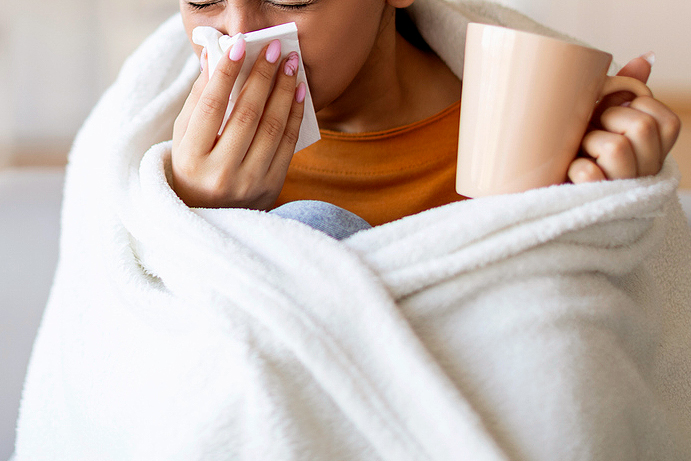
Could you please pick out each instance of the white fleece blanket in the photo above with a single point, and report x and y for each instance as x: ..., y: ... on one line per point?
x: 549, y: 325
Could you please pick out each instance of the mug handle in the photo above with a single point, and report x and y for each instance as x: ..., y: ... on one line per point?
x: 619, y: 83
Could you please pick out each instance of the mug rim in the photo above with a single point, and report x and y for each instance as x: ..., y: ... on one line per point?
x: 535, y: 35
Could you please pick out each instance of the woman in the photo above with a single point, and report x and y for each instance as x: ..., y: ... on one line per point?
x: 543, y: 325
x: 365, y: 78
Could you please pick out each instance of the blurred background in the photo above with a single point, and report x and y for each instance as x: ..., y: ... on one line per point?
x: 57, y: 58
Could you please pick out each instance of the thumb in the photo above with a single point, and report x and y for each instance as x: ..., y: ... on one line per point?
x: 640, y: 67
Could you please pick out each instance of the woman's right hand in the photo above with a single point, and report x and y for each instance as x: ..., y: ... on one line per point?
x: 246, y: 166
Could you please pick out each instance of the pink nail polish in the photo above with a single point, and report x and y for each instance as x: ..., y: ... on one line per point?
x: 300, y: 93
x: 237, y: 50
x: 291, y: 65
x: 202, y: 60
x: 273, y: 52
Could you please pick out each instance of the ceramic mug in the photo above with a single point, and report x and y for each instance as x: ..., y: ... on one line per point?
x: 525, y: 107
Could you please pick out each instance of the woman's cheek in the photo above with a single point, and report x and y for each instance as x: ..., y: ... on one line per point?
x: 318, y: 73
x: 329, y: 70
x: 316, y: 90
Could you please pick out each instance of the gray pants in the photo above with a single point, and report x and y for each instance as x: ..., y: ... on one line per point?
x: 330, y: 219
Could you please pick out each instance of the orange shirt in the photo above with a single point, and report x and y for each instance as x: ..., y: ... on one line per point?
x: 380, y: 176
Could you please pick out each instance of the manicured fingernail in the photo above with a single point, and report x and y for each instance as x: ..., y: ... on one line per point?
x: 650, y: 57
x: 237, y: 50
x: 273, y: 52
x: 291, y: 65
x: 202, y: 60
x: 300, y: 93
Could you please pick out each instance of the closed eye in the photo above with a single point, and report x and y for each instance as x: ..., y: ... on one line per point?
x: 290, y: 5
x: 201, y: 6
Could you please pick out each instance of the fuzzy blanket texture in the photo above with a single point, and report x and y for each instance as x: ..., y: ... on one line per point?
x: 549, y: 325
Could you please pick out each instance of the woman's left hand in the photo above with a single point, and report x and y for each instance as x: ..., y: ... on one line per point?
x: 628, y: 138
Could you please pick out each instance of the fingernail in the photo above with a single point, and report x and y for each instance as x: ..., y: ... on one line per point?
x: 273, y: 52
x: 202, y: 60
x: 291, y: 65
x: 650, y: 57
x: 237, y: 50
x: 300, y: 93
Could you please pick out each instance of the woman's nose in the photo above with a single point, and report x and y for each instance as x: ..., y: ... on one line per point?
x: 241, y: 17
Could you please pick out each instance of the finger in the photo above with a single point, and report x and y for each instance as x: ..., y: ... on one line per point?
x: 642, y: 132
x: 613, y: 154
x: 247, y: 112
x: 638, y: 68
x: 284, y: 153
x: 272, y: 125
x: 668, y: 123
x: 183, y: 118
x: 209, y: 112
x: 583, y: 170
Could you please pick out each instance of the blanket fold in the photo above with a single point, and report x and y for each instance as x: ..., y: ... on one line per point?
x: 553, y: 324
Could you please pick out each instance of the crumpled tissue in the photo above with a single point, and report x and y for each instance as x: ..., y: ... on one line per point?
x: 216, y: 44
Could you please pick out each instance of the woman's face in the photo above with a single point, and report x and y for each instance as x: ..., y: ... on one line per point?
x: 336, y: 36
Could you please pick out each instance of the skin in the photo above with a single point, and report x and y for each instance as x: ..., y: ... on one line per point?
x: 630, y: 140
x: 363, y: 77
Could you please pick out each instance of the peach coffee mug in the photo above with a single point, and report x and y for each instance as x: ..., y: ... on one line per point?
x: 525, y: 107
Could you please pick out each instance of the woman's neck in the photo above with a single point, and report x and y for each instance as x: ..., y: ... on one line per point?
x: 398, y: 85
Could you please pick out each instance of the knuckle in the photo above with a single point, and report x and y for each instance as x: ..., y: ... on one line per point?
x: 244, y: 191
x: 225, y: 70
x: 582, y: 170
x: 217, y: 187
x: 286, y: 83
x: 247, y: 114
x: 294, y: 123
x: 291, y: 135
x: 297, y: 112
x: 272, y: 126
x: 644, y: 127
x: 296, y: 116
x: 617, y: 148
x: 672, y: 125
x: 237, y: 189
x: 183, y: 168
x: 589, y: 170
x: 264, y: 71
x: 210, y: 106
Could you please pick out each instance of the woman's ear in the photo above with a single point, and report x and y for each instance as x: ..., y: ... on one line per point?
x: 400, y: 3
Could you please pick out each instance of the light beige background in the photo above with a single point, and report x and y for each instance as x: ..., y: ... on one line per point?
x: 57, y: 57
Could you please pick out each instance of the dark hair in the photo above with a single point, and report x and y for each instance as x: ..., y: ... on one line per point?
x: 408, y: 30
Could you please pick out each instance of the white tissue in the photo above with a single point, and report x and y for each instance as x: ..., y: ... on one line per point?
x: 216, y: 44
